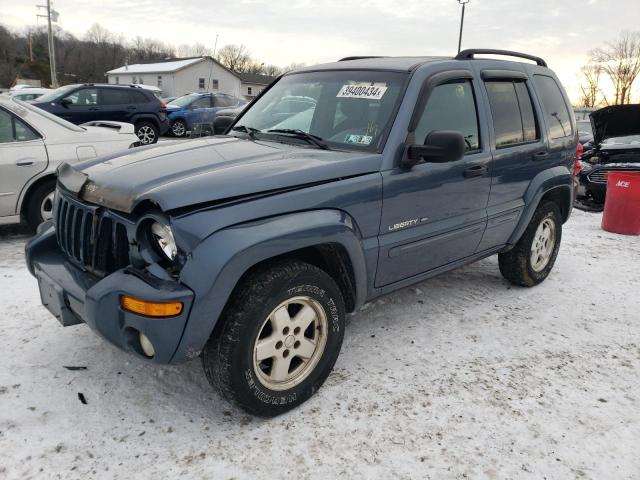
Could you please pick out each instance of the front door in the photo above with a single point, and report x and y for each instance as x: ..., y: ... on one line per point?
x: 435, y: 213
x: 22, y: 156
x: 81, y: 106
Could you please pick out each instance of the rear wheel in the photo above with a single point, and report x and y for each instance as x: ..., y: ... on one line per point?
x: 39, y: 206
x: 531, y: 260
x: 280, y: 337
x: 147, y: 132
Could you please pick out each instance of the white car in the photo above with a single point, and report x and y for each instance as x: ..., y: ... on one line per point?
x: 32, y: 145
x: 26, y: 94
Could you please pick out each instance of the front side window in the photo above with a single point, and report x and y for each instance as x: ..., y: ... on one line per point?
x: 347, y: 109
x: 201, y: 83
x: 451, y: 106
x: 555, y: 108
x: 514, y: 120
x: 13, y: 129
x: 83, y: 97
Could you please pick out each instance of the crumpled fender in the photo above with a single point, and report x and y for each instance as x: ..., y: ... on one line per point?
x: 216, y: 265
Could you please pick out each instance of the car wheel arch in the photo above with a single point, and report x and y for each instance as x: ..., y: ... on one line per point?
x: 28, y: 190
x: 333, y: 235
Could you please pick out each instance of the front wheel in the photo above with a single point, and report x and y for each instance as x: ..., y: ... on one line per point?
x: 147, y: 132
x: 280, y: 337
x: 39, y: 206
x: 531, y: 260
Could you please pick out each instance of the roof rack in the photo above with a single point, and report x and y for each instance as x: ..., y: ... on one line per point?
x: 346, y: 59
x: 470, y: 53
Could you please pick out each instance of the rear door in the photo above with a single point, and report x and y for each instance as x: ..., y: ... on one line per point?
x: 435, y: 213
x: 115, y: 104
x: 22, y: 156
x: 519, y: 149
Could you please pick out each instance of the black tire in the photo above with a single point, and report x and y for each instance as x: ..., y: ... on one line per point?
x: 179, y: 128
x: 147, y: 133
x: 516, y: 264
x: 35, y: 200
x: 228, y: 357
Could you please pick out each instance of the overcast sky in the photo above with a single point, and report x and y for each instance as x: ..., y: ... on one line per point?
x: 313, y: 31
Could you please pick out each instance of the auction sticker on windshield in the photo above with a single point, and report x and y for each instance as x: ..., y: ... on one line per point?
x: 362, y: 91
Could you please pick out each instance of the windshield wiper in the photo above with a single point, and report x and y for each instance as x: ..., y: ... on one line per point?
x: 248, y: 130
x: 309, y: 137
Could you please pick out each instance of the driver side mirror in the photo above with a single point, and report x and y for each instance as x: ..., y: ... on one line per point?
x: 440, y: 146
x: 221, y: 124
x: 65, y: 102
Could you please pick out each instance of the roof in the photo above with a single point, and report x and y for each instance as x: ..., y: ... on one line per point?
x: 401, y: 64
x: 160, y: 67
x: 256, y: 78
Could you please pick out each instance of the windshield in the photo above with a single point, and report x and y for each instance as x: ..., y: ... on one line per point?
x: 345, y: 109
x: 183, y: 101
x: 55, y: 94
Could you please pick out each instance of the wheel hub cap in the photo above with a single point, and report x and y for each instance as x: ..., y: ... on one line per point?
x: 290, y: 343
x: 543, y: 245
x: 46, y: 207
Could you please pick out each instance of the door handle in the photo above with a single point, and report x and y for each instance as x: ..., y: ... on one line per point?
x: 25, y: 163
x: 475, y: 171
x: 131, y: 108
x: 541, y: 155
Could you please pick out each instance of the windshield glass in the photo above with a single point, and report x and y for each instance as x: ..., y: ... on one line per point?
x: 183, y: 101
x: 346, y: 109
x: 55, y: 94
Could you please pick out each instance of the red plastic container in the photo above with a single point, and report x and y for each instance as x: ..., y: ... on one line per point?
x: 622, y: 204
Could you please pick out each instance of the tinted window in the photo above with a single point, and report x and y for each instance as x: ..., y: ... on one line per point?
x: 115, y: 96
x: 83, y: 97
x: 451, y: 107
x: 514, y: 120
x: 202, y: 102
x: 137, y: 97
x: 529, y: 125
x: 556, y: 111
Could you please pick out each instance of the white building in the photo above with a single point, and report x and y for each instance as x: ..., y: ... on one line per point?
x: 254, y: 83
x: 179, y: 77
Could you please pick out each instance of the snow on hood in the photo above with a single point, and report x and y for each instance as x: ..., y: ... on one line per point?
x: 615, y: 121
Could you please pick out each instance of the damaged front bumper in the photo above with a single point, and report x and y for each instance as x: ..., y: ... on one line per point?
x: 76, y: 296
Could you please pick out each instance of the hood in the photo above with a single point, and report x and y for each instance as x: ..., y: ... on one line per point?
x: 187, y: 173
x: 615, y: 121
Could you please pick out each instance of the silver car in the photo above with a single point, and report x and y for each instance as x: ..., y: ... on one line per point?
x: 32, y: 145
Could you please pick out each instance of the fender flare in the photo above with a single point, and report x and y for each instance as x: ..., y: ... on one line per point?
x: 553, y: 179
x: 146, y: 118
x: 217, y: 264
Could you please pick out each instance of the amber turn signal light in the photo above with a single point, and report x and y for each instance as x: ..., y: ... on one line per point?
x: 150, y: 309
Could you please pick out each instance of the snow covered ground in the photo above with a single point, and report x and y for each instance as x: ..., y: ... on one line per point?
x: 461, y: 376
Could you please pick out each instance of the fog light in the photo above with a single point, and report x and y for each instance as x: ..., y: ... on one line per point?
x: 150, y: 309
x: 147, y: 346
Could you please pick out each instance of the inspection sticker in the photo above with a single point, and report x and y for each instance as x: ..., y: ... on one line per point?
x: 359, y: 139
x: 362, y: 91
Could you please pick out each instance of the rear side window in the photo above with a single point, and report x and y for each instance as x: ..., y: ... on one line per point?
x: 115, y: 96
x: 451, y: 106
x: 137, y: 97
x: 14, y: 130
x: 514, y: 121
x: 555, y: 108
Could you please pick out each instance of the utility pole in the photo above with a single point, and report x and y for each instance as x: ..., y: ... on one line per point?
x: 463, y: 3
x: 51, y: 16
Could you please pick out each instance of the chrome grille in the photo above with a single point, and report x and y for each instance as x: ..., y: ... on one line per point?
x: 90, y: 237
x: 599, y: 176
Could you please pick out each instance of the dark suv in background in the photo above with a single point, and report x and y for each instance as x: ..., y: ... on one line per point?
x: 121, y: 103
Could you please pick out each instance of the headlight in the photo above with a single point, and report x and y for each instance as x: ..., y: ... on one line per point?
x: 163, y: 238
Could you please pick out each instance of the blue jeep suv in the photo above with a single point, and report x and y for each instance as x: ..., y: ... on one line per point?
x: 121, y: 103
x: 249, y: 249
x: 198, y: 109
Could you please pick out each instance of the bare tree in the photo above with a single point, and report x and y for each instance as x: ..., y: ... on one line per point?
x: 590, y: 86
x: 98, y: 34
x: 235, y: 57
x: 197, y: 50
x: 620, y: 60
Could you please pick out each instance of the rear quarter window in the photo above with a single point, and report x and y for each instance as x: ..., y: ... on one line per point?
x: 555, y: 109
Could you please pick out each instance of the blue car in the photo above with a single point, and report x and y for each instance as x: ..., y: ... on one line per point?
x: 197, y: 110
